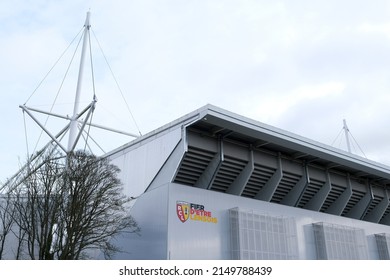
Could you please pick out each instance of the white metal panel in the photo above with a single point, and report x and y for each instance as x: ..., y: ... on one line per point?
x: 150, y: 212
x: 141, y: 164
x: 204, y: 240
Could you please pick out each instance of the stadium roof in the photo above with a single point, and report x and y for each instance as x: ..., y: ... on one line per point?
x: 214, y: 120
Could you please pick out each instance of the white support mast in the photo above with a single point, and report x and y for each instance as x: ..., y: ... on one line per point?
x: 73, y: 123
x: 74, y: 120
x: 346, y: 131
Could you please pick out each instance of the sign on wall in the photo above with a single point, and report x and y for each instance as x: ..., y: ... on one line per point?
x: 194, y: 212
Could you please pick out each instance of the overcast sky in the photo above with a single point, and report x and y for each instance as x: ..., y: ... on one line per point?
x: 302, y: 66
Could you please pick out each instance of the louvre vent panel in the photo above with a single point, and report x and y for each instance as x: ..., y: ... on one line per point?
x: 286, y: 184
x: 187, y: 176
x: 355, y: 198
x: 333, y: 195
x: 204, y: 165
x: 227, y: 173
x: 194, y: 163
x: 387, y: 212
x: 258, y: 179
x: 310, y: 192
x: 339, y: 242
x: 374, y: 203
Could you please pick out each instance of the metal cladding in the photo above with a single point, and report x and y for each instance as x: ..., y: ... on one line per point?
x: 212, y: 161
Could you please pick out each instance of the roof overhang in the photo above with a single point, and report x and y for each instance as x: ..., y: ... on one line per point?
x: 215, y: 120
x: 218, y: 120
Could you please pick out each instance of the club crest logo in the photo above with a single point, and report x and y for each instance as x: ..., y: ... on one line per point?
x: 183, y: 210
x: 195, y: 212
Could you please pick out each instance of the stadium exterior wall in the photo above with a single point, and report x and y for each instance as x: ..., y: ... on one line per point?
x: 216, y: 185
x: 165, y: 236
x: 184, y: 213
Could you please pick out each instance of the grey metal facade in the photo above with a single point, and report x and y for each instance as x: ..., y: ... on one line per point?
x: 269, y: 191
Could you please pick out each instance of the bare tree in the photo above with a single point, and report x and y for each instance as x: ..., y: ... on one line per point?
x: 6, y: 220
x: 69, y: 207
x: 37, y: 202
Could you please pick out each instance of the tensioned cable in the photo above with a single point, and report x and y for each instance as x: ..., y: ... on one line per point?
x: 117, y: 84
x: 59, y: 89
x: 44, y: 78
x: 89, y: 130
x: 337, y: 137
x: 358, y: 145
x: 86, y: 144
x: 92, y: 72
x: 354, y: 140
x: 93, y: 140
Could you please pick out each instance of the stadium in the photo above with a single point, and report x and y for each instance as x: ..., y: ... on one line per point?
x: 217, y: 185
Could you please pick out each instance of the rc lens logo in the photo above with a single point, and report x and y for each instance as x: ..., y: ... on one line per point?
x: 191, y: 211
x: 183, y: 210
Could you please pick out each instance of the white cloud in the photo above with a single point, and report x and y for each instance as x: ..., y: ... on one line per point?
x: 375, y: 28
x: 302, y: 66
x: 272, y: 106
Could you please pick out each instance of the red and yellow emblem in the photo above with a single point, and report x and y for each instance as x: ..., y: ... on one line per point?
x: 195, y: 212
x: 183, y: 210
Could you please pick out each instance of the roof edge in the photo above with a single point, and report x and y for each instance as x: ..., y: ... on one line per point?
x: 282, y: 137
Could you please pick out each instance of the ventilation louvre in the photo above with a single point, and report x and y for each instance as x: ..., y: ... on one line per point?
x: 355, y: 198
x: 227, y: 173
x: 193, y: 164
x: 286, y: 184
x: 258, y: 179
x: 310, y: 192
x: 333, y: 195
